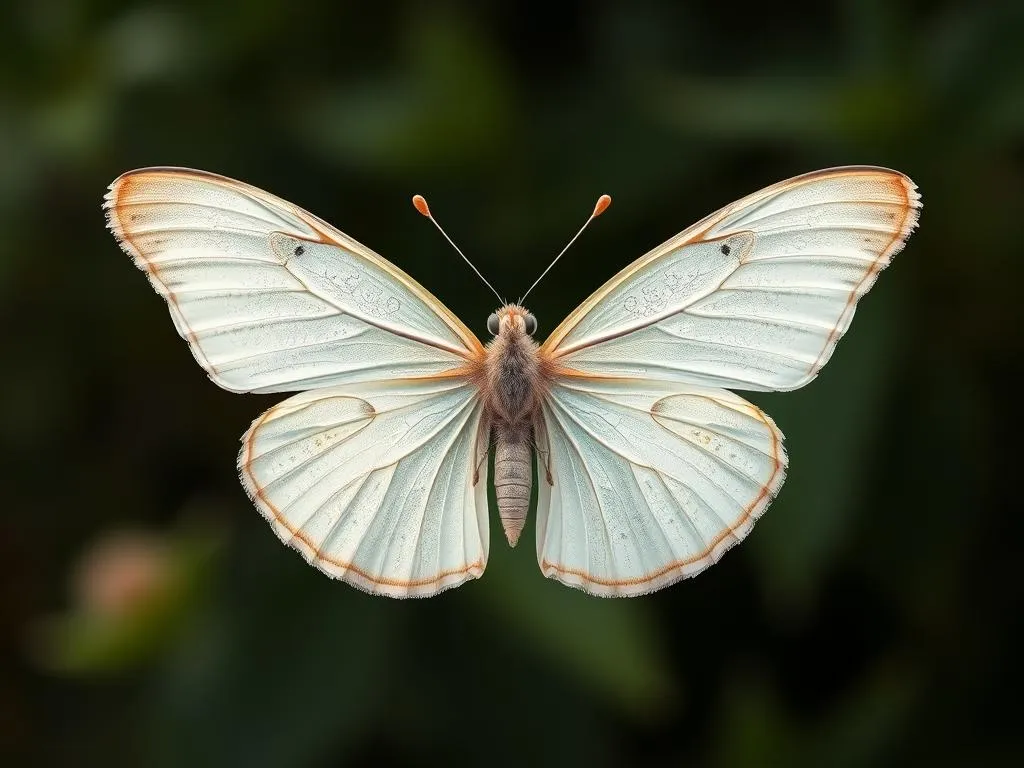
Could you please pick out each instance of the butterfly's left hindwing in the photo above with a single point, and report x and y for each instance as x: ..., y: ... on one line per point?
x: 652, y: 482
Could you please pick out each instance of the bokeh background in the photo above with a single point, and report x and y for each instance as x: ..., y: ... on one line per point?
x: 148, y: 616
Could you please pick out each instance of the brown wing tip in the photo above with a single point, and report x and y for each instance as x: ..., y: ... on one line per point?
x: 903, y: 187
x: 914, y: 206
x: 116, y: 192
x: 110, y: 207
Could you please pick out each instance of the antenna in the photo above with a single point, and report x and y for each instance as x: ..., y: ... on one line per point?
x: 420, y: 204
x: 600, y: 207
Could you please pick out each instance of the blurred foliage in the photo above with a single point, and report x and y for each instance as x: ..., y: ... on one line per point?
x: 873, y: 618
x: 132, y: 593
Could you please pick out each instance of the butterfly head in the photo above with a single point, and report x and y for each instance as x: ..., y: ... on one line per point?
x: 512, y: 318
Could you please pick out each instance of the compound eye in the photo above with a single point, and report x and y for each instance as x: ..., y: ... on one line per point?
x: 531, y: 325
x: 493, y: 326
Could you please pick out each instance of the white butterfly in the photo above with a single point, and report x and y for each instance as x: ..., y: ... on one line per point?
x: 649, y: 469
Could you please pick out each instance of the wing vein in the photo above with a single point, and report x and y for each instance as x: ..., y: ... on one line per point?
x: 724, y: 344
x: 683, y: 459
x: 275, y: 222
x: 606, y: 398
x: 744, y: 222
x: 456, y: 435
x: 597, y: 498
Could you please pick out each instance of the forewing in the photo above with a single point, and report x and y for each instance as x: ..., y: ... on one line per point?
x: 755, y: 296
x: 375, y: 484
x: 269, y: 297
x: 651, y: 482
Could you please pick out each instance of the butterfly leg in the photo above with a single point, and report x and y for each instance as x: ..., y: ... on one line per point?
x: 540, y: 442
x: 482, y: 447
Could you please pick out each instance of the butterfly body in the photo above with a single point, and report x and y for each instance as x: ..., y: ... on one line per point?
x: 512, y: 392
x: 650, y: 467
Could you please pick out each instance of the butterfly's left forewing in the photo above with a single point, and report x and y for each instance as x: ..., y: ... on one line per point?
x: 753, y: 297
x: 656, y: 468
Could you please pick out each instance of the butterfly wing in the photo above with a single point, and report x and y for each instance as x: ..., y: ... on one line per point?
x: 269, y: 297
x: 371, y: 474
x: 657, y: 469
x: 376, y: 484
x: 755, y: 296
x: 652, y: 482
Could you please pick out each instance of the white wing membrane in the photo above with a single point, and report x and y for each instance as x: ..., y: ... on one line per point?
x: 375, y: 484
x: 269, y: 297
x: 753, y: 297
x: 652, y: 483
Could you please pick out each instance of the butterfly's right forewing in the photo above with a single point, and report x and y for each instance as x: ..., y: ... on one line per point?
x: 370, y: 474
x: 269, y: 297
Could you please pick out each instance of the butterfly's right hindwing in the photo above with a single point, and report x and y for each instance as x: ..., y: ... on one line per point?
x: 374, y: 485
x: 370, y: 473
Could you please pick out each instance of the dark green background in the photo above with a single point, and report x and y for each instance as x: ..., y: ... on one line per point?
x: 872, y: 618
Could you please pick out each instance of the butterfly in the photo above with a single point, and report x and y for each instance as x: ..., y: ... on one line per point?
x: 648, y: 467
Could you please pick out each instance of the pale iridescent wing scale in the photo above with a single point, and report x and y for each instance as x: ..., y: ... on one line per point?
x: 370, y: 474
x: 656, y: 468
x: 271, y: 298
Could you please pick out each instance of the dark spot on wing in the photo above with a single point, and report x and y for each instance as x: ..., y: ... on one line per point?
x: 726, y: 249
x: 299, y: 250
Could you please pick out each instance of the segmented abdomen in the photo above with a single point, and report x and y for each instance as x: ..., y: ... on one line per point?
x: 513, y: 478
